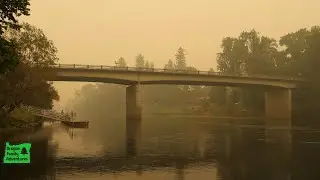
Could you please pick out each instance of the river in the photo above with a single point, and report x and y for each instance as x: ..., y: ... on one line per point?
x: 170, y: 147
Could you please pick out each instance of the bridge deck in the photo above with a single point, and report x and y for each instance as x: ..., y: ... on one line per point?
x: 132, y: 75
x: 169, y: 71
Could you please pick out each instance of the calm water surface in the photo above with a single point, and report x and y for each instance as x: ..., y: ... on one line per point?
x: 171, y: 147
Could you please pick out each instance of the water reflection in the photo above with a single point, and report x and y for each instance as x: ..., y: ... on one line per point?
x: 42, y: 155
x: 133, y: 137
x: 170, y: 148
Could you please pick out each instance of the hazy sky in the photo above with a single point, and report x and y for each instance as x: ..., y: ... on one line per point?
x: 100, y: 31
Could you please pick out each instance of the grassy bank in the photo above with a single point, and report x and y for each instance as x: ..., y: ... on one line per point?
x: 19, y: 121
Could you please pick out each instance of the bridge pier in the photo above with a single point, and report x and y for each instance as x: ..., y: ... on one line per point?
x: 278, y: 104
x: 133, y: 105
x: 133, y: 120
x: 133, y: 137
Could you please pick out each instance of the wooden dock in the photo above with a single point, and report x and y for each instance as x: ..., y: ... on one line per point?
x: 76, y: 124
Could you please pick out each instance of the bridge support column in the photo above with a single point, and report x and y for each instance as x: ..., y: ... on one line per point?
x: 133, y: 137
x: 133, y: 105
x: 133, y: 120
x: 278, y: 104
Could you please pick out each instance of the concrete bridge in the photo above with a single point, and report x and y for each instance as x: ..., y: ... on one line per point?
x: 278, y: 89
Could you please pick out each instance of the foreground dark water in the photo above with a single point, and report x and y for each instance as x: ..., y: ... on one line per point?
x: 171, y: 147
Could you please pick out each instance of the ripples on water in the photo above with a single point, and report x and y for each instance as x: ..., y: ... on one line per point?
x: 171, y: 148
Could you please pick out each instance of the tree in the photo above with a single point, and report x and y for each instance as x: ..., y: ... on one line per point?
x: 229, y: 60
x: 169, y: 65
x: 147, y: 65
x: 35, y: 48
x: 9, y: 11
x: 140, y: 61
x: 295, y: 45
x: 28, y: 82
x: 9, y: 57
x: 311, y: 56
x: 248, y: 54
x: 181, y: 59
x: 302, y: 57
x: 260, y: 53
x: 151, y: 65
x: 121, y: 62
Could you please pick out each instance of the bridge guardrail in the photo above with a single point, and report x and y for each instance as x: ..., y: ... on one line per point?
x: 175, y: 71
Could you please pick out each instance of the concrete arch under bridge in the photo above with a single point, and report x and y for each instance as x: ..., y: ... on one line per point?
x: 277, y: 89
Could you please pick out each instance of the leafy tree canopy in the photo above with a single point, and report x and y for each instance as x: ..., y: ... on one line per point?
x: 121, y: 62
x: 140, y: 62
x: 27, y: 83
x: 9, y: 11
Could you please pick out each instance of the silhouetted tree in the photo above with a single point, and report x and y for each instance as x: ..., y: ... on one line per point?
x: 9, y: 56
x: 180, y: 56
x: 169, y: 65
x: 151, y: 65
x: 28, y: 82
x: 9, y: 11
x: 121, y: 62
x: 248, y: 54
x: 140, y: 61
x: 302, y: 58
x: 147, y: 65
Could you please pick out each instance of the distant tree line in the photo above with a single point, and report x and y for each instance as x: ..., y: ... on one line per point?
x: 296, y: 54
x: 159, y: 98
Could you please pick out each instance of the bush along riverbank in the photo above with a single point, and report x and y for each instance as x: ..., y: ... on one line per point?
x: 19, y: 121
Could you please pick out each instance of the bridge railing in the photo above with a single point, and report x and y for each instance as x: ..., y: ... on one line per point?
x: 174, y: 71
x: 45, y: 113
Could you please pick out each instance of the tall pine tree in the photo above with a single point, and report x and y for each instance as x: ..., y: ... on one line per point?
x: 181, y: 63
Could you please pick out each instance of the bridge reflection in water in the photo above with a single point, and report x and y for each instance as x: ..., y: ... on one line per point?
x: 232, y: 151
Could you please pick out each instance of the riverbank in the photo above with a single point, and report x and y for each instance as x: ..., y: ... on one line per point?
x: 20, y: 122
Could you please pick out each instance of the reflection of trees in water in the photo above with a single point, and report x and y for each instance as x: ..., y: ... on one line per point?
x: 251, y: 158
x: 239, y: 152
x: 306, y: 156
x: 247, y: 156
x: 158, y: 135
x: 104, y: 106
